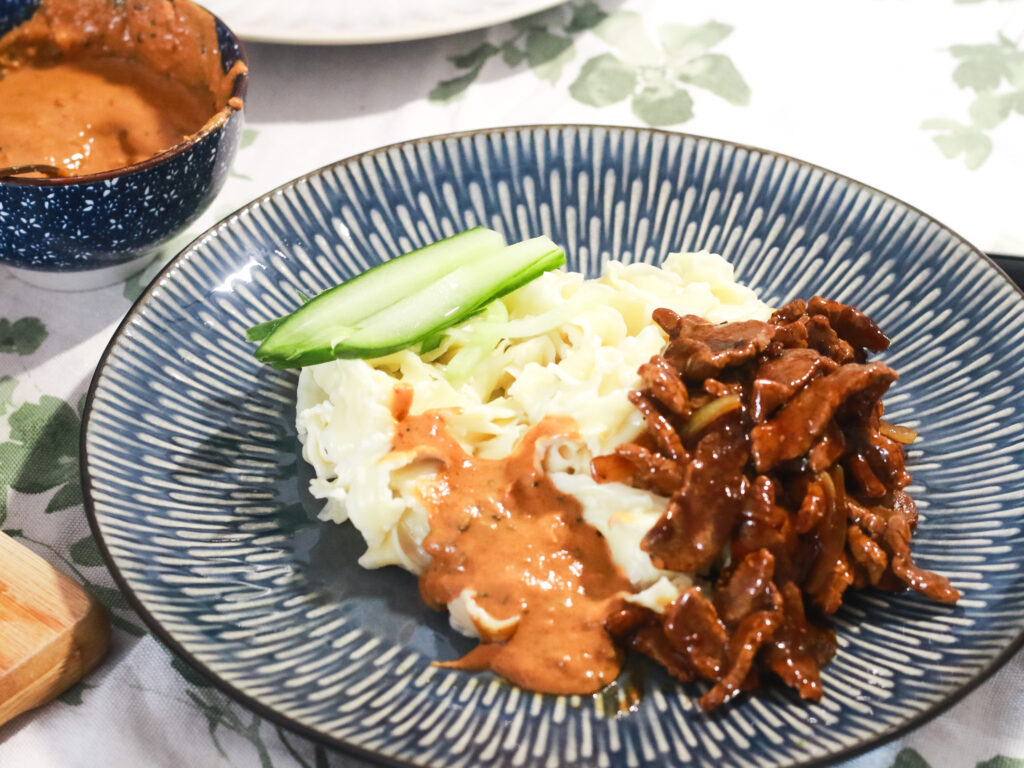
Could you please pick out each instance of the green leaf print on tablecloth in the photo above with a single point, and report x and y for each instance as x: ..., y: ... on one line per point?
x: 543, y: 41
x: 41, y: 453
x: 909, y: 758
x: 655, y: 76
x: 1001, y: 761
x: 995, y: 73
x: 22, y: 337
x: 660, y: 73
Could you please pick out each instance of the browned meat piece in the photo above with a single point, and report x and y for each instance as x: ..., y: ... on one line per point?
x: 752, y: 633
x: 778, y: 380
x: 761, y: 502
x: 669, y: 321
x: 827, y: 450
x: 802, y: 420
x: 798, y: 650
x: 790, y: 313
x: 646, y: 470
x: 897, y: 539
x: 665, y: 384
x: 763, y: 525
x: 662, y: 429
x: 868, y: 481
x: 719, y: 389
x: 902, y: 503
x: 851, y: 324
x: 775, y: 416
x: 867, y: 553
x: 871, y: 523
x: 812, y: 509
x: 747, y: 588
x: 626, y: 618
x: 826, y: 581
x: 641, y: 630
x: 830, y: 595
x: 886, y: 459
x: 701, y: 515
x: 822, y: 337
x: 699, y: 349
x: 790, y: 336
x: 694, y: 630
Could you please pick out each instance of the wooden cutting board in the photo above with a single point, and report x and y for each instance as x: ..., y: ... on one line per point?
x: 52, y: 632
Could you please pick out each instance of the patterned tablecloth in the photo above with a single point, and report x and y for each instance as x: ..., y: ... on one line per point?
x: 921, y: 98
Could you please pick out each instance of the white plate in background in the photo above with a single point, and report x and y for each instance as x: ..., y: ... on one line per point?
x: 352, y: 22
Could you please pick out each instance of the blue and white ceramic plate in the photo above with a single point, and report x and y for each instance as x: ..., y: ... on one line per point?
x: 197, y: 493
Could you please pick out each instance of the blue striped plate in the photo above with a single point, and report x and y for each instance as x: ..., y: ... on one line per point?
x: 196, y: 492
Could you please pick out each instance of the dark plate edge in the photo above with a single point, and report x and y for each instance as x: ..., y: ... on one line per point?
x: 293, y: 725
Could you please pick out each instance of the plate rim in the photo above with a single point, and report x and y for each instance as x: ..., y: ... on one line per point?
x: 401, y: 34
x: 270, y: 714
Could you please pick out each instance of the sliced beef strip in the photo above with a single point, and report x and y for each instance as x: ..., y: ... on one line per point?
x: 897, y: 540
x: 701, y: 515
x: 869, y: 521
x: 753, y: 632
x: 789, y: 313
x: 789, y: 336
x: 827, y: 449
x: 886, y: 459
x: 747, y: 588
x: 822, y: 337
x: 699, y: 349
x: 778, y: 380
x: 850, y: 323
x: 860, y: 470
x: 798, y: 649
x: 665, y: 384
x: 694, y: 629
x: 829, y: 596
x: 641, y: 630
x: 792, y: 431
x: 867, y: 553
x: 660, y: 427
x: 639, y: 467
x: 812, y: 508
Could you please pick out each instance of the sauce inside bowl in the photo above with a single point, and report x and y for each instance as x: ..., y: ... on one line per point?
x: 89, y: 86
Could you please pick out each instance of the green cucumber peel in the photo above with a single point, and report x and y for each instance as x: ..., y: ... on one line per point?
x: 315, y: 326
x: 439, y: 305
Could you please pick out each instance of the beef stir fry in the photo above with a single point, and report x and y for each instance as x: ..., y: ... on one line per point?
x: 786, y: 489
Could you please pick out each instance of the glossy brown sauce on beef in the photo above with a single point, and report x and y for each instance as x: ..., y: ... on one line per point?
x: 785, y: 487
x: 502, y: 529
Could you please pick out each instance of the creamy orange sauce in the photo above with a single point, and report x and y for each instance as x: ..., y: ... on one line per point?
x: 502, y: 528
x: 93, y: 115
x: 92, y: 85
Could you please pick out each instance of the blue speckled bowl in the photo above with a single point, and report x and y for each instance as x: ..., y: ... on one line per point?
x: 196, y: 491
x: 95, y: 230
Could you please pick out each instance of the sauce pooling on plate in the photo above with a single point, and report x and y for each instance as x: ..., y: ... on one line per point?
x: 501, y: 529
x: 91, y: 86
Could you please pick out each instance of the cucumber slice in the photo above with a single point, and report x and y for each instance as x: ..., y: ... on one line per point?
x: 315, y: 327
x: 451, y: 299
x: 422, y: 315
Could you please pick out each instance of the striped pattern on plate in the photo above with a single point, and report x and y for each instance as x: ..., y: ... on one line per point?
x: 197, y: 492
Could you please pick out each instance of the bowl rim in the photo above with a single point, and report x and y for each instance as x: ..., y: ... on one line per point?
x: 238, y: 91
x: 267, y: 712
